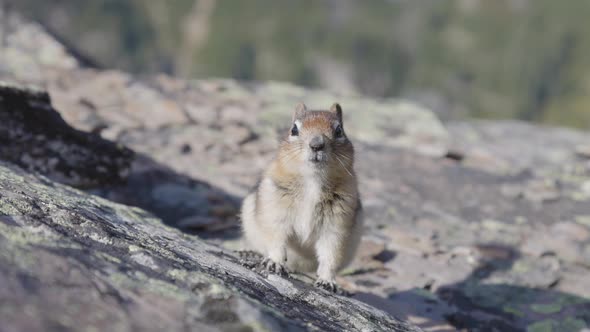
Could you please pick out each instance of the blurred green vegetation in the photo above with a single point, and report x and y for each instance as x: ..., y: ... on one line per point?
x: 525, y: 59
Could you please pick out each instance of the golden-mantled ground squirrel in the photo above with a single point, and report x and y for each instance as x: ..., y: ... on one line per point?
x: 305, y: 213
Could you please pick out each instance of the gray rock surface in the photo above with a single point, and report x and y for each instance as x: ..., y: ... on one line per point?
x: 28, y: 52
x: 73, y: 261
x: 471, y: 225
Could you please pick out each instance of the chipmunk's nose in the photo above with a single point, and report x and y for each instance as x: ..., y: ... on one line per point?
x: 317, y: 143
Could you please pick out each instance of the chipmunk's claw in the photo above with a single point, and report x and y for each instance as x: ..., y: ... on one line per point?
x: 274, y: 267
x: 330, y: 286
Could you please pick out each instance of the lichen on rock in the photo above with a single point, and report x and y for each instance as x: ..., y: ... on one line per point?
x: 80, y: 262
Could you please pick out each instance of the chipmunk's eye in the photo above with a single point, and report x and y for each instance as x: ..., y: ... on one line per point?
x: 338, y: 132
x: 294, y: 130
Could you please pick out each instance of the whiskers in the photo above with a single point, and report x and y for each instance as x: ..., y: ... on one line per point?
x: 289, y: 154
x: 293, y: 150
x: 345, y: 157
x: 338, y: 156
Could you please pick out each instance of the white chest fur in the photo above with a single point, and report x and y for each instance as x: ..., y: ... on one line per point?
x: 306, y: 224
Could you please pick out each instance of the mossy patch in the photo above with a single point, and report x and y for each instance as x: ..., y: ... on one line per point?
x: 547, y: 308
x: 568, y: 325
x: 542, y: 326
x: 513, y: 311
x: 583, y: 220
x: 424, y: 293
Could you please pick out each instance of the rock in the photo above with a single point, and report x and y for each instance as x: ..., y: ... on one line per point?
x: 418, y: 306
x: 34, y: 136
x: 491, y: 233
x: 175, y: 198
x: 514, y: 308
x: 366, y: 258
x: 583, y: 151
x: 508, y: 143
x: 564, y: 239
x: 27, y: 52
x: 79, y: 262
x: 198, y: 222
x: 583, y: 220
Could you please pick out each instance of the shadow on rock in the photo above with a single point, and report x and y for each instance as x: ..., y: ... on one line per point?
x: 500, y: 294
x: 34, y: 136
x: 189, y: 204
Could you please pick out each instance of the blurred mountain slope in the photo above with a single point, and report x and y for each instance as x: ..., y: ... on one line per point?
x: 499, y: 59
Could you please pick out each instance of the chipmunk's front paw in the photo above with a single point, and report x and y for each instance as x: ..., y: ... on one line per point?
x: 274, y: 267
x: 330, y: 286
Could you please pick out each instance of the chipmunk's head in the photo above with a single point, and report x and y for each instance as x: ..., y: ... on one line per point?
x: 317, y: 139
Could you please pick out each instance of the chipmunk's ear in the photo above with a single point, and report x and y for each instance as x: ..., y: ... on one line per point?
x: 337, y: 110
x: 300, y: 109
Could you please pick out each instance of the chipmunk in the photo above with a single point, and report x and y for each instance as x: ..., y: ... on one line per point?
x: 305, y: 214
